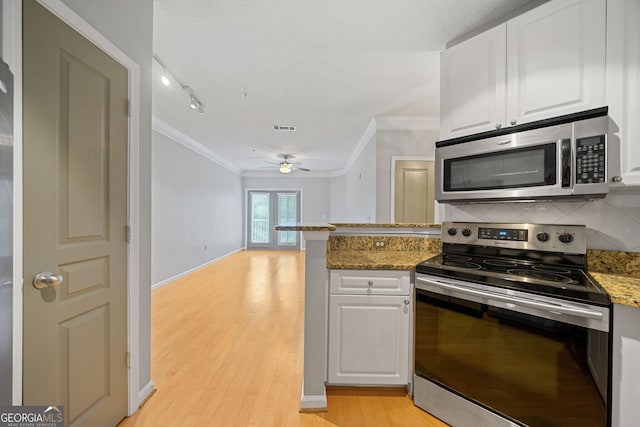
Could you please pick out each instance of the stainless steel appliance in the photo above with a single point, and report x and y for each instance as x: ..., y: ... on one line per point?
x: 511, y: 330
x: 553, y: 159
x: 6, y: 233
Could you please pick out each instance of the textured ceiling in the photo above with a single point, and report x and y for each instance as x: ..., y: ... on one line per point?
x: 327, y: 67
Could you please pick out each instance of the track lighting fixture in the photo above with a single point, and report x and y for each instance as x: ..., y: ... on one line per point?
x: 194, y: 102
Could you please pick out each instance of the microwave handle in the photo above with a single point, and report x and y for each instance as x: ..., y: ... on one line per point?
x: 565, y: 162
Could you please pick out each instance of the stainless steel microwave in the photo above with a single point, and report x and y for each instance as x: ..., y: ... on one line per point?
x: 558, y: 161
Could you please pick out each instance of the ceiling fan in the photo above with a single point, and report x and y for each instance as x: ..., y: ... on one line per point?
x: 285, y: 166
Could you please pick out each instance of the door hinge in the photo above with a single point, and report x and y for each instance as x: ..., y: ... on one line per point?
x: 127, y: 233
x: 128, y: 357
x: 128, y: 108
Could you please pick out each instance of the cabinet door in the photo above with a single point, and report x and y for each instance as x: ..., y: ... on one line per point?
x: 472, y: 84
x: 623, y: 88
x: 625, y: 368
x: 368, y: 339
x: 555, y: 60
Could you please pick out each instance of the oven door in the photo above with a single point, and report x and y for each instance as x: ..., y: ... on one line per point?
x: 508, y: 357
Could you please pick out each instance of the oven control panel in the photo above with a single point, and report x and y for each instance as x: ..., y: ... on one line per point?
x: 503, y: 234
x: 544, y: 237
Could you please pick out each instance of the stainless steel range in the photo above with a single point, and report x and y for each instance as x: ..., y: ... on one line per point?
x: 511, y: 329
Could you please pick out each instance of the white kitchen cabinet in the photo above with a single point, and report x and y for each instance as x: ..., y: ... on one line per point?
x: 623, y: 89
x: 625, y: 367
x: 368, y: 331
x: 552, y: 62
x: 472, y: 84
x: 556, y: 60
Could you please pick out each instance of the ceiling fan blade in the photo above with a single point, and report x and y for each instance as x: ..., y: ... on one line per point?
x: 303, y: 169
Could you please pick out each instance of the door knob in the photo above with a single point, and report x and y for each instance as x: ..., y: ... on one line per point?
x: 47, y: 279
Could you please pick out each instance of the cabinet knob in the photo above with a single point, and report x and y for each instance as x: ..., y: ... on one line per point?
x: 616, y: 179
x: 370, y: 282
x: 498, y: 125
x: 406, y: 302
x: 513, y: 122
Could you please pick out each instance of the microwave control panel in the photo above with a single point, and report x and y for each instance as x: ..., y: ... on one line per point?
x: 590, y: 160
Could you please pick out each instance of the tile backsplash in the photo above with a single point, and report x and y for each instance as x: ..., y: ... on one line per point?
x: 613, y: 223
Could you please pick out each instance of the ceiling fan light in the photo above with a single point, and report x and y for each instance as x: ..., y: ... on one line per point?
x: 285, y: 167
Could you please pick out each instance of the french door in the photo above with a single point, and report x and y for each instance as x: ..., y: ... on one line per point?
x: 268, y: 208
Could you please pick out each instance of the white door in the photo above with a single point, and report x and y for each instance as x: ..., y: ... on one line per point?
x: 75, y: 217
x: 414, y: 191
x: 556, y: 60
x: 472, y: 84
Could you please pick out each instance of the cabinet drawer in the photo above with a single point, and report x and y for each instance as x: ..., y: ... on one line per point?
x: 368, y: 282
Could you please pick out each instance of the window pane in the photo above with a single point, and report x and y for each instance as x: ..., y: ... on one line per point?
x: 259, y: 218
x: 287, y: 215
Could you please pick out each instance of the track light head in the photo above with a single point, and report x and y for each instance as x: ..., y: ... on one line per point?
x: 194, y: 103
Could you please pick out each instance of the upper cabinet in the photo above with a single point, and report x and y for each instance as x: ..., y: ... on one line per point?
x: 546, y: 62
x: 472, y: 80
x: 623, y: 87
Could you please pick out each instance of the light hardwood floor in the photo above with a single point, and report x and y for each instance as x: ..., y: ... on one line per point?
x: 227, y: 351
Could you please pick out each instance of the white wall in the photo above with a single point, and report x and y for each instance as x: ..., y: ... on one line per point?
x: 314, y: 194
x: 353, y: 195
x: 612, y: 223
x: 401, y: 143
x: 196, y: 210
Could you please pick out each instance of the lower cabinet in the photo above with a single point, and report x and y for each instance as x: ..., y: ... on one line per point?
x: 369, y: 334
x: 625, y: 367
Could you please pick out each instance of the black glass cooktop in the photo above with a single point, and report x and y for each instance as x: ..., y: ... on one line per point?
x: 544, y: 274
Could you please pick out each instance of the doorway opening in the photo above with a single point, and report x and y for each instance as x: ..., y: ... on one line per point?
x: 268, y: 208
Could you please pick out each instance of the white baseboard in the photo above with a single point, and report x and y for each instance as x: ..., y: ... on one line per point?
x: 313, y: 403
x: 146, y: 391
x: 191, y: 270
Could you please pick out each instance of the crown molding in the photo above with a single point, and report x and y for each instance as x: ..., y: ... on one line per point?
x: 366, y: 137
x: 186, y: 141
x: 407, y: 122
x: 380, y: 123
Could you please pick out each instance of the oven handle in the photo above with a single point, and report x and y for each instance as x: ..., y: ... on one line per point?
x: 516, y: 300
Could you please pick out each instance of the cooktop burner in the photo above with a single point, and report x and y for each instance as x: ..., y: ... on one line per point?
x: 567, y: 282
x: 542, y: 259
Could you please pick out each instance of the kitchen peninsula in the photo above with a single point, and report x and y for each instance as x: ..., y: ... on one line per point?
x: 379, y: 246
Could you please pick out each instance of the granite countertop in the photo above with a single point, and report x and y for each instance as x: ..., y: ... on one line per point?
x: 306, y: 227
x: 386, y: 225
x: 622, y: 289
x: 375, y: 259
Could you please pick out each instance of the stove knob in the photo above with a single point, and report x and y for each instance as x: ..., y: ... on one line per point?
x: 565, y: 237
x: 466, y: 232
x: 543, y: 236
x: 452, y: 231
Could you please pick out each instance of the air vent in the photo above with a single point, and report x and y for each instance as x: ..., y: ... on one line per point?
x: 284, y: 128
